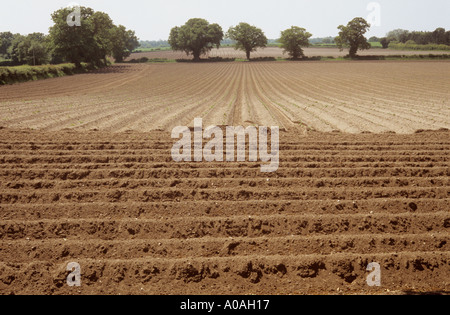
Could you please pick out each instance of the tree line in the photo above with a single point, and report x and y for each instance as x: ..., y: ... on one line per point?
x: 198, y: 36
x: 437, y: 37
x: 96, y: 38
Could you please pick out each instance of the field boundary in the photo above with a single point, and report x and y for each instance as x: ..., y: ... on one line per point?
x: 25, y: 73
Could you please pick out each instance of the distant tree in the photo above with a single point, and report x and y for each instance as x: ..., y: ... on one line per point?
x: 6, y: 39
x: 352, y: 36
x: 196, y: 37
x: 153, y: 43
x: 123, y: 43
x: 398, y: 35
x: 248, y: 38
x: 374, y: 39
x: 328, y: 40
x: 31, y: 49
x: 322, y: 40
x: 35, y: 49
x: 293, y: 39
x: 421, y: 38
x: 439, y: 36
x: 384, y: 42
x: 13, y: 50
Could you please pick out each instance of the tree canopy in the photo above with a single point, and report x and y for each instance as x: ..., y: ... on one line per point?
x: 293, y: 39
x: 93, y: 41
x: 74, y: 44
x: 196, y: 37
x: 93, y: 36
x: 123, y: 43
x: 6, y: 39
x: 438, y: 37
x: 247, y: 37
x: 398, y: 35
x: 31, y: 49
x: 352, y: 36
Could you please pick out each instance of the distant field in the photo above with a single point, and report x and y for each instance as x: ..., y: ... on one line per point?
x: 376, y: 45
x: 229, y: 52
x: 152, y: 49
x: 373, y: 44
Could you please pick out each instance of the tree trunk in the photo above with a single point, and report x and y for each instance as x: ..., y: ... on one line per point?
x: 248, y: 54
x: 196, y: 56
x: 353, y: 51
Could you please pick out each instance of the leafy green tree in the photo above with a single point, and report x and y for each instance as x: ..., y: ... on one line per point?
x: 352, y: 36
x: 6, y: 39
x: 91, y: 42
x: 124, y: 42
x: 247, y: 37
x: 328, y: 40
x: 13, y: 49
x: 384, y: 42
x: 398, y: 35
x: 34, y: 49
x: 439, y: 36
x: 293, y: 39
x: 72, y: 43
x: 196, y: 37
x: 31, y: 49
x: 103, y: 28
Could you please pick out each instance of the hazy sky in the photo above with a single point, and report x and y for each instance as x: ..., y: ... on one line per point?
x: 153, y: 19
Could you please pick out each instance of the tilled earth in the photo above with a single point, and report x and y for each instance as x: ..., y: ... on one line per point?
x: 350, y: 97
x: 139, y: 223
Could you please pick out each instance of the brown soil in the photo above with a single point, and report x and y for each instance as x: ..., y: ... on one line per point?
x: 275, y: 52
x: 139, y: 223
x: 351, y: 97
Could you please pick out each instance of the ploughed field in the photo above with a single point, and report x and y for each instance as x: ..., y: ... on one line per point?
x: 351, y: 97
x: 275, y: 52
x: 95, y: 182
x: 137, y: 222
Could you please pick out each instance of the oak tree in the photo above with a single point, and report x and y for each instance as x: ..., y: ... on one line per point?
x: 247, y: 37
x: 352, y: 36
x: 196, y: 37
x: 123, y: 43
x: 293, y: 39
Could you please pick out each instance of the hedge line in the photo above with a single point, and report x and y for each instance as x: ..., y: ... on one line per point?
x: 10, y: 75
